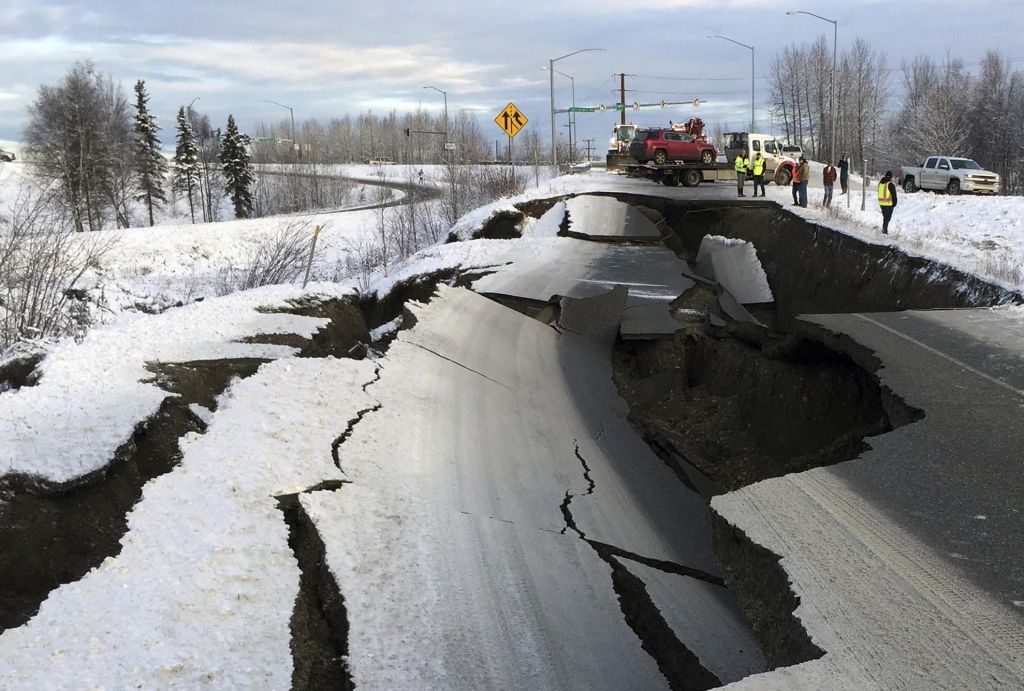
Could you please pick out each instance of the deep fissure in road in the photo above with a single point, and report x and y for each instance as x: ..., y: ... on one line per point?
x: 676, y: 662
x: 726, y: 406
x: 54, y: 533
x: 351, y: 424
x: 319, y: 622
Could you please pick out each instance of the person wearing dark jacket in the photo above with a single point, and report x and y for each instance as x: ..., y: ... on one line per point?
x: 886, y: 199
x: 844, y: 174
x: 828, y: 178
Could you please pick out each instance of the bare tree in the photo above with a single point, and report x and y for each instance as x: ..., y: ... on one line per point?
x: 79, y: 136
x: 42, y: 263
x: 933, y: 118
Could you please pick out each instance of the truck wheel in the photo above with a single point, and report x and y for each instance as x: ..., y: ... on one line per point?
x: 670, y: 180
x: 909, y: 186
x: 660, y: 157
x: 783, y: 177
x: 691, y: 178
x: 953, y: 187
x: 705, y: 156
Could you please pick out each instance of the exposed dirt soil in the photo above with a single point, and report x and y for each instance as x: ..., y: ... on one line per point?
x: 763, y: 589
x: 741, y: 412
x: 19, y: 372
x: 503, y: 225
x: 345, y: 335
x: 201, y: 381
x: 319, y: 624
x: 51, y: 535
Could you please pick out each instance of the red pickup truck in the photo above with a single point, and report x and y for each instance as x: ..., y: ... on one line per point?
x: 665, y: 145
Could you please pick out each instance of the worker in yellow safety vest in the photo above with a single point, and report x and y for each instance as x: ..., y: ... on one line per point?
x: 757, y: 166
x: 886, y: 199
x: 742, y: 166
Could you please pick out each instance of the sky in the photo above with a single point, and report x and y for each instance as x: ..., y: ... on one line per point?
x: 325, y: 59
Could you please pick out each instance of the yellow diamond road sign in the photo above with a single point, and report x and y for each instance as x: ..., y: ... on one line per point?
x: 511, y: 119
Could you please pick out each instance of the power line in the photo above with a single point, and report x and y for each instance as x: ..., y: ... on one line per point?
x: 694, y: 79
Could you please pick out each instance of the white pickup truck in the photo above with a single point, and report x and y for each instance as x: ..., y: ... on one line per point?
x: 949, y: 174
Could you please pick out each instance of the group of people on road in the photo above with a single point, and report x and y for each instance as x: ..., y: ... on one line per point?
x: 749, y: 167
x: 754, y: 168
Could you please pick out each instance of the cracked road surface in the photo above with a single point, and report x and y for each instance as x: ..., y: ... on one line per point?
x: 907, y: 559
x: 450, y: 545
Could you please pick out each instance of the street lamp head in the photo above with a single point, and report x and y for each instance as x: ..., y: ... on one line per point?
x: 791, y: 12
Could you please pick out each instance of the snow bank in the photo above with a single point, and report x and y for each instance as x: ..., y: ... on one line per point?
x: 202, y: 592
x: 91, y: 396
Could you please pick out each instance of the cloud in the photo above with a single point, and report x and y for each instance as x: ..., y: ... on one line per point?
x: 319, y: 63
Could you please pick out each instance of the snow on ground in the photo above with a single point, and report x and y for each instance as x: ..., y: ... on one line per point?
x: 91, y: 394
x: 202, y: 592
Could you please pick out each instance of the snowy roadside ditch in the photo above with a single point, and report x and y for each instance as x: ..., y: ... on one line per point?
x: 204, y: 588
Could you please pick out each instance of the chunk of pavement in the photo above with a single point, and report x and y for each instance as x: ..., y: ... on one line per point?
x: 597, y: 317
x: 736, y: 311
x: 734, y: 264
x: 593, y: 217
x: 585, y: 269
x: 648, y: 320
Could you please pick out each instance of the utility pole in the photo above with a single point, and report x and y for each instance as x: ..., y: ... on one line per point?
x: 551, y: 86
x: 622, y: 97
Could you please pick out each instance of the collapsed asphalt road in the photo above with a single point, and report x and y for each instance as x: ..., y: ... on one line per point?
x: 517, y: 494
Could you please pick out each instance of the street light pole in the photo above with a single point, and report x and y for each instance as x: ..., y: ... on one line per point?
x: 832, y: 84
x: 445, y: 95
x: 551, y: 87
x: 751, y: 48
x: 291, y: 114
x: 572, y: 115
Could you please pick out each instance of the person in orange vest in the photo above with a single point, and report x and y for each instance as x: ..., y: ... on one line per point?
x: 886, y: 199
x: 741, y: 165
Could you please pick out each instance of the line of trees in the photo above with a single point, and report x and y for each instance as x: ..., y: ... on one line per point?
x: 85, y: 143
x: 897, y: 116
x: 799, y: 79
x: 371, y: 136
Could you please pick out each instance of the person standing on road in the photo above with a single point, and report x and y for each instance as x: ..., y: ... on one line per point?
x: 844, y: 174
x: 828, y: 177
x: 757, y: 167
x: 886, y: 199
x: 741, y: 164
x: 804, y: 171
x: 796, y: 185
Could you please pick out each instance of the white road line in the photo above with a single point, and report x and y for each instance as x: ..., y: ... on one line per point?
x: 950, y: 358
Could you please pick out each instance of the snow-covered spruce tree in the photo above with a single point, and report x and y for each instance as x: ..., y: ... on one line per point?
x: 186, y: 161
x: 150, y: 166
x: 237, y: 166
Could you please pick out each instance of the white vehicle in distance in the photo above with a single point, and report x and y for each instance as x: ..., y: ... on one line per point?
x: 7, y: 156
x: 949, y: 174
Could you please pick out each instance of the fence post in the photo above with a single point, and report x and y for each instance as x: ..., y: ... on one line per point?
x: 312, y: 250
x: 864, y: 186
